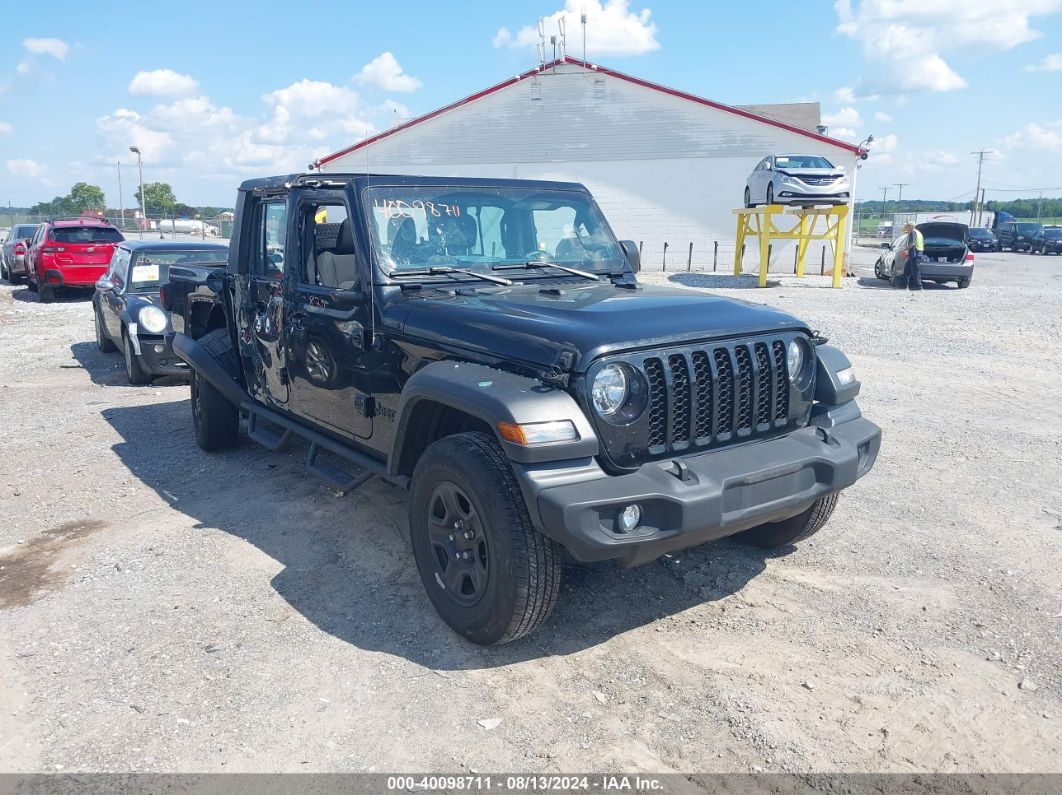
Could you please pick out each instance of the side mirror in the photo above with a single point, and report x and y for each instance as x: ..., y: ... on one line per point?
x: 634, y: 258
x: 886, y: 245
x: 103, y: 284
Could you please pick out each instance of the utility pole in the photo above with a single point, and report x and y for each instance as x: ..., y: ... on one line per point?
x: 121, y: 202
x: 1039, y: 206
x: 899, y: 198
x: 976, y: 216
x: 884, y: 193
x: 143, y: 204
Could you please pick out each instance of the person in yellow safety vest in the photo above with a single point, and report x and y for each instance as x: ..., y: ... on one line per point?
x: 916, y: 247
x: 321, y: 216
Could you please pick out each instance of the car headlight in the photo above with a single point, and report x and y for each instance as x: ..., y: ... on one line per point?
x: 610, y: 390
x: 619, y: 393
x: 786, y: 178
x: 795, y: 360
x: 152, y: 319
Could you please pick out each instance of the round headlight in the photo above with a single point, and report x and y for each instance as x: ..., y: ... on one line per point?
x: 152, y: 319
x: 795, y: 360
x: 610, y: 389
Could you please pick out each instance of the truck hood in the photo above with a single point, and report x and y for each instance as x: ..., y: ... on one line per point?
x: 536, y: 323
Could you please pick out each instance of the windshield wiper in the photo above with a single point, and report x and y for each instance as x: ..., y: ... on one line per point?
x: 533, y: 264
x: 442, y: 271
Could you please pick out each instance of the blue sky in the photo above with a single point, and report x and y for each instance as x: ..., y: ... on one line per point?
x: 216, y: 92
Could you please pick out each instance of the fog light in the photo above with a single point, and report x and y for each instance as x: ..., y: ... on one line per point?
x: 629, y: 518
x: 160, y: 348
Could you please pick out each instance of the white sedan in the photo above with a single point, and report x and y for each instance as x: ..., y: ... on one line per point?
x: 796, y: 179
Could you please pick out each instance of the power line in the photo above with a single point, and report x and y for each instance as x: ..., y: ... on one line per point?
x: 1021, y: 190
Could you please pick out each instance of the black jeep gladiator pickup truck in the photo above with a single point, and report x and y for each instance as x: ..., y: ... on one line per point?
x: 486, y: 344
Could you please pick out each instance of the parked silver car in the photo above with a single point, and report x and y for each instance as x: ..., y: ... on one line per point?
x: 13, y: 252
x: 796, y: 179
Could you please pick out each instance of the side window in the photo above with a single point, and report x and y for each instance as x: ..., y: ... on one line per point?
x: 328, y: 252
x: 270, y: 235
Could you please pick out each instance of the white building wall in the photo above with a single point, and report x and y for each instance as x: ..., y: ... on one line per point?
x: 663, y: 168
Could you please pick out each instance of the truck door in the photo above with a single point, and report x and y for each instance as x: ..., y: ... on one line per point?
x: 328, y: 321
x: 266, y: 298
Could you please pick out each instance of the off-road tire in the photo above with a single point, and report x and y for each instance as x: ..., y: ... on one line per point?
x: 523, y: 570
x: 103, y: 342
x: 45, y: 293
x: 794, y: 529
x: 134, y: 371
x: 215, y: 419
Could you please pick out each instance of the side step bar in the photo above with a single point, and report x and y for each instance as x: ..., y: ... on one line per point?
x: 272, y: 439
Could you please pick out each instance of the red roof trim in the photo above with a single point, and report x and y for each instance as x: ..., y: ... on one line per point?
x: 595, y: 68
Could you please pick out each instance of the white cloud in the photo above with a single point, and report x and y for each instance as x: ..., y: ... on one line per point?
x: 845, y: 133
x: 125, y: 128
x: 882, y: 117
x: 6, y: 128
x: 1047, y: 137
x: 30, y: 169
x: 193, y: 113
x: 384, y: 71
x: 845, y: 117
x: 331, y: 108
x: 883, y: 147
x: 162, y: 83
x: 905, y: 39
x: 844, y: 95
x: 57, y: 48
x: 611, y: 29
x: 1050, y: 63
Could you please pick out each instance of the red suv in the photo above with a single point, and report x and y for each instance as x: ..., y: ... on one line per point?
x: 69, y: 252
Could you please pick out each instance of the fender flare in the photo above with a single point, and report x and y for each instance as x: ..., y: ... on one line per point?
x: 495, y: 396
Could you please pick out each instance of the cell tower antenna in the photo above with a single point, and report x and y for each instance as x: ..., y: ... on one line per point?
x: 541, y: 42
x: 582, y: 20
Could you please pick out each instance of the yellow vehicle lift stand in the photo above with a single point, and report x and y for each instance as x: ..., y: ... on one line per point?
x: 759, y: 222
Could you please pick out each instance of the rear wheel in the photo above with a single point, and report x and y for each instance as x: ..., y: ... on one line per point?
x: 6, y: 275
x: 45, y: 293
x: 490, y: 575
x: 136, y: 373
x: 795, y: 528
x: 103, y: 342
x: 31, y: 285
x: 216, y: 421
x: 963, y: 283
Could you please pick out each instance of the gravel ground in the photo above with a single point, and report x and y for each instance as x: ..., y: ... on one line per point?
x: 166, y: 610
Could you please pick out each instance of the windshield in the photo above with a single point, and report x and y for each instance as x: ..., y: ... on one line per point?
x: 1053, y: 233
x: 802, y: 161
x: 151, y: 268
x: 85, y: 234
x: 415, y: 227
x: 1027, y: 229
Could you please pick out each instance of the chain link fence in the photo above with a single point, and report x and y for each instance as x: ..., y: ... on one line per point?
x: 218, y: 228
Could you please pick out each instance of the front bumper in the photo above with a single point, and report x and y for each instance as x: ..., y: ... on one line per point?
x: 688, y: 501
x: 155, y: 353
x: 797, y: 192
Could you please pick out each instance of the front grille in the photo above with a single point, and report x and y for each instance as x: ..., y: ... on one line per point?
x: 706, y: 397
x: 817, y: 180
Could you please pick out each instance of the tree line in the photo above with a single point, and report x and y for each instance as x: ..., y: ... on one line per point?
x: 159, y: 200
x: 1019, y: 208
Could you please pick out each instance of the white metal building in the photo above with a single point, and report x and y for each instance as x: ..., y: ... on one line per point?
x: 665, y: 166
